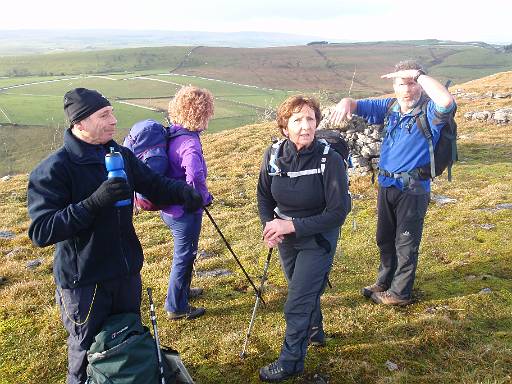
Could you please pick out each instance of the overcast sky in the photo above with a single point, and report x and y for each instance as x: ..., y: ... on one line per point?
x: 356, y: 20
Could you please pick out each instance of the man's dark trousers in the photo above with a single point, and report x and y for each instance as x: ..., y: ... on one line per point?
x: 306, y: 263
x: 83, y: 311
x: 399, y: 228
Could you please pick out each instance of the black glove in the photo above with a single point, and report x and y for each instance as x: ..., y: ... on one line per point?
x: 211, y: 201
x: 192, y: 200
x: 110, y: 191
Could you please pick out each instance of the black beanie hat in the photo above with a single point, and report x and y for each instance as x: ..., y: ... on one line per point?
x: 80, y: 103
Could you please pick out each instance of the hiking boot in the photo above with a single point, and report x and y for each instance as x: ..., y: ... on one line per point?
x: 195, y: 292
x: 387, y: 298
x: 369, y: 290
x: 189, y: 314
x: 274, y: 372
x: 316, y: 337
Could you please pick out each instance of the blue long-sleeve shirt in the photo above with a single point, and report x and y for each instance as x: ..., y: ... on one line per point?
x: 404, y: 147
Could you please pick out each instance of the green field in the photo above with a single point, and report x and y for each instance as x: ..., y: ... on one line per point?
x: 32, y: 112
x: 247, y: 84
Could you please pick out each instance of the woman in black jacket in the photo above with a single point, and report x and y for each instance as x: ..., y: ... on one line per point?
x: 303, y: 200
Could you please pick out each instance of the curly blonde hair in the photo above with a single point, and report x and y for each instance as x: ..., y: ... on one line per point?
x: 191, y: 107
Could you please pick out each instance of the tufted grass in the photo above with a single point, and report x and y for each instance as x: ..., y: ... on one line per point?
x: 453, y: 333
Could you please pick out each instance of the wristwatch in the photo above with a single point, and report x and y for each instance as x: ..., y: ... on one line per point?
x: 420, y: 72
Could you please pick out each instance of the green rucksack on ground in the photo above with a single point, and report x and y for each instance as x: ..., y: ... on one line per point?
x: 124, y: 352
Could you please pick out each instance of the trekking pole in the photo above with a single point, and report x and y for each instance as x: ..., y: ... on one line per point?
x: 258, y: 297
x: 155, y: 332
x: 354, y: 215
x: 233, y: 253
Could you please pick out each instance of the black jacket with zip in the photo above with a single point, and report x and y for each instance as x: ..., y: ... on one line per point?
x: 315, y: 202
x: 90, y: 247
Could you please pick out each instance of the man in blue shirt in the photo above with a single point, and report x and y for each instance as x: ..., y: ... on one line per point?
x: 403, y: 195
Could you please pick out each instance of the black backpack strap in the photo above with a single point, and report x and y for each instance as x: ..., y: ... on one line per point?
x: 181, y: 133
x: 455, y: 155
x: 422, y: 123
x: 275, y: 149
x: 391, y: 106
x: 325, y: 151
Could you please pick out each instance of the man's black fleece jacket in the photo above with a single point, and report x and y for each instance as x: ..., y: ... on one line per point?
x: 90, y: 247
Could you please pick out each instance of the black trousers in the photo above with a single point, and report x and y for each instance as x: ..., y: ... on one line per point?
x: 306, y: 263
x: 83, y: 311
x: 399, y: 228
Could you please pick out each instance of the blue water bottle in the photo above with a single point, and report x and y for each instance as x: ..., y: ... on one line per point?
x: 115, y: 166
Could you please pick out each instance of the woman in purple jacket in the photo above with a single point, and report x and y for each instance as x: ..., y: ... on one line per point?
x: 189, y: 110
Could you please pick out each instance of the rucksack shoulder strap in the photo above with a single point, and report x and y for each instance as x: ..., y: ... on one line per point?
x: 391, y: 106
x: 424, y: 127
x: 181, y: 132
x: 275, y: 149
x: 274, y: 170
x: 314, y: 171
x: 323, y: 160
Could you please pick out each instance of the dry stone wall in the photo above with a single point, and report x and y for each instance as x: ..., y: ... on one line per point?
x: 363, y: 140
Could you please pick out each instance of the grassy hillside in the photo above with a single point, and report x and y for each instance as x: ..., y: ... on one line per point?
x: 454, y: 333
x: 247, y: 83
x: 315, y: 67
x: 108, y: 61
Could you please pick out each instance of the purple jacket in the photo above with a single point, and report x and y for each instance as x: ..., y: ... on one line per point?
x: 186, y: 162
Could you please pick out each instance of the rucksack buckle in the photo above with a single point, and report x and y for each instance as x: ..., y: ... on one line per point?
x: 408, y: 176
x: 405, y: 176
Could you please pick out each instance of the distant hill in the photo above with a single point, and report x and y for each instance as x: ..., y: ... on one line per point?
x: 341, y: 68
x: 24, y: 42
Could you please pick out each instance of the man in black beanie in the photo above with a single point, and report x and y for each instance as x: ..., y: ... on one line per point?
x: 98, y: 256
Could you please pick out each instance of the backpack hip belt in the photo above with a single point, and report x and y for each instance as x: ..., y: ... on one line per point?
x: 405, y: 176
x: 281, y: 215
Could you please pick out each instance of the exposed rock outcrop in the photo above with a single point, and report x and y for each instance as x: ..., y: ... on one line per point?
x: 462, y: 94
x: 499, y: 116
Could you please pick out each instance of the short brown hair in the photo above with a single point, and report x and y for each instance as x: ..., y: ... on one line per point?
x: 191, y: 107
x: 409, y: 64
x: 294, y: 104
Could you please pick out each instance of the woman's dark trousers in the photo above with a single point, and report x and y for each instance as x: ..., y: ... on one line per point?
x: 306, y: 263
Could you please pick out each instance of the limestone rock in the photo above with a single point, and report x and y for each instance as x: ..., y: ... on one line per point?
x: 7, y: 235
x: 441, y: 200
x: 33, y: 264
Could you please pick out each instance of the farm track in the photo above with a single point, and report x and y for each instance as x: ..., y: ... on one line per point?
x: 139, y: 78
x: 39, y: 82
x: 137, y: 105
x: 5, y: 114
